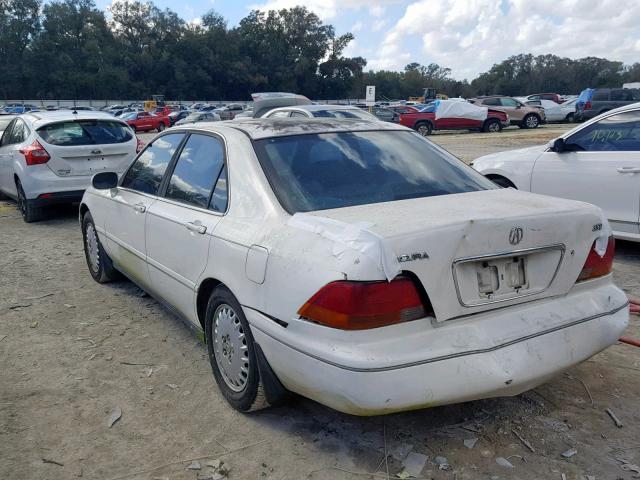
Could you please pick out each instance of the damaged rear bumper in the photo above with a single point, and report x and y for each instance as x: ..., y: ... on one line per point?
x: 417, y: 365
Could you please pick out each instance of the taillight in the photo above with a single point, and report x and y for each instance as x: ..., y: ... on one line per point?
x: 35, y: 154
x: 587, y: 105
x: 597, y: 266
x: 139, y: 145
x: 361, y: 305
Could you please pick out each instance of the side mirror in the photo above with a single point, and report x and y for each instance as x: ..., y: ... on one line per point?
x: 558, y: 145
x: 105, y: 180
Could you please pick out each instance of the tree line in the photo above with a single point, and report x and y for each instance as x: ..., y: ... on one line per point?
x: 70, y: 49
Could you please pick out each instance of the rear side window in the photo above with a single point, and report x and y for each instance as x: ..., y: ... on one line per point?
x: 600, y: 96
x: 18, y: 133
x: 85, y: 132
x: 145, y: 175
x: 491, y: 101
x: 620, y: 132
x: 196, y: 171
x: 334, y: 170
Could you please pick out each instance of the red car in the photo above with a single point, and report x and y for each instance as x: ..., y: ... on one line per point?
x: 145, y: 121
x: 425, y: 121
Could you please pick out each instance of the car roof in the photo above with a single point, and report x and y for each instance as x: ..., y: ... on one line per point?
x: 260, y: 128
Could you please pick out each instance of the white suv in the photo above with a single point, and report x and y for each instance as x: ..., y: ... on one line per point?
x: 49, y: 157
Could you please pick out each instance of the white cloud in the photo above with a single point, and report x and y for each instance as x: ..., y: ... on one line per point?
x: 327, y: 9
x: 378, y: 25
x: 471, y: 35
x: 356, y: 27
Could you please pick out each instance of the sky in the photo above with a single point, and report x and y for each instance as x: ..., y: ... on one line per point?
x: 468, y: 36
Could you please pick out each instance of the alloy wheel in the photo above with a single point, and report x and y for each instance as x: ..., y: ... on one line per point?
x: 230, y: 348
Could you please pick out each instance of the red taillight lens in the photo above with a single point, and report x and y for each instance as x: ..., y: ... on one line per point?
x: 587, y: 105
x: 597, y: 266
x: 139, y: 145
x: 361, y: 305
x: 35, y: 154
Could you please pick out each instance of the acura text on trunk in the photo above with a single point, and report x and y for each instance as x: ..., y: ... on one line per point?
x: 355, y: 263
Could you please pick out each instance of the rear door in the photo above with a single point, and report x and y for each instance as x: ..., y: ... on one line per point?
x: 125, y: 219
x: 180, y: 223
x: 601, y: 167
x: 84, y: 147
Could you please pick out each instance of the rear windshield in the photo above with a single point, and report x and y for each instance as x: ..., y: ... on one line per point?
x: 333, y: 170
x: 85, y: 132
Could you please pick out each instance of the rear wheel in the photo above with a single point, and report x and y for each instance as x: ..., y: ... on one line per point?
x: 100, y: 265
x: 492, y: 125
x: 531, y: 121
x: 29, y: 212
x: 424, y: 128
x: 232, y: 352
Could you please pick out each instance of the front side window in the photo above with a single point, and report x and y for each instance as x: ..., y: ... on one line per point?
x: 344, y: 113
x: 510, y: 102
x: 145, y: 175
x: 491, y: 101
x: 85, y: 132
x: 197, y: 170
x: 620, y: 132
x: 334, y: 170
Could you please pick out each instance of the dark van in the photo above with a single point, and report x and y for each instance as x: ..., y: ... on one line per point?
x: 594, y: 101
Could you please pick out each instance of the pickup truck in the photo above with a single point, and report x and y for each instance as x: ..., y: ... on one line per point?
x: 425, y: 122
x: 145, y: 121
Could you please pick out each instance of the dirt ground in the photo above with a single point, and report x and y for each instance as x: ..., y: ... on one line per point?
x: 73, y: 351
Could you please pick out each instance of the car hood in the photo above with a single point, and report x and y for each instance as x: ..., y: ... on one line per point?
x: 521, y: 154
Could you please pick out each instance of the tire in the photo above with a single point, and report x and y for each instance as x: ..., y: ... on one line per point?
x: 492, y: 125
x: 99, y: 264
x: 424, y: 128
x: 531, y: 121
x: 29, y: 213
x: 232, y: 353
x: 570, y: 118
x: 501, y: 181
x: 161, y: 127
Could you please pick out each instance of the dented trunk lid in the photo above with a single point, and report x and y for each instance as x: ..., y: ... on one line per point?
x: 477, y: 251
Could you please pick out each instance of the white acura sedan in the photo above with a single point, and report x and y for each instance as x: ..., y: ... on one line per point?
x: 597, y: 162
x: 354, y: 263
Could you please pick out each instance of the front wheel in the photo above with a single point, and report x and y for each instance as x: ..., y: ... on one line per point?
x: 531, y: 121
x: 161, y: 127
x: 492, y: 125
x: 232, y: 353
x: 570, y: 118
x: 100, y: 265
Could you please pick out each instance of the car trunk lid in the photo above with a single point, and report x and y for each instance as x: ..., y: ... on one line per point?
x: 476, y: 251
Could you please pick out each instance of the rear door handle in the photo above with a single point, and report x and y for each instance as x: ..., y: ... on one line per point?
x: 628, y: 170
x: 196, y: 227
x: 139, y: 207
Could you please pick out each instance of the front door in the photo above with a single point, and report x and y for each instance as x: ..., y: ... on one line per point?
x: 180, y: 224
x: 125, y: 222
x: 601, y: 166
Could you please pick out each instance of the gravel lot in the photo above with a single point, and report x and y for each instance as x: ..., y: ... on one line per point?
x: 73, y: 351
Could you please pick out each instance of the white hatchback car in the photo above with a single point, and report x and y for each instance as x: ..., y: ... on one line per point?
x: 596, y: 162
x: 354, y: 263
x: 48, y: 158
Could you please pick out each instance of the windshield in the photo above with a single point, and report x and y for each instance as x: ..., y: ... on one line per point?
x: 344, y: 113
x: 85, y: 132
x: 334, y: 170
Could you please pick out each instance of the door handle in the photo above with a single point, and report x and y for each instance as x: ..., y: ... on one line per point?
x: 139, y: 207
x: 628, y: 170
x: 196, y: 227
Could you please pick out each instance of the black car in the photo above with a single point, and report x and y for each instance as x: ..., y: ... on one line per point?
x: 594, y: 101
